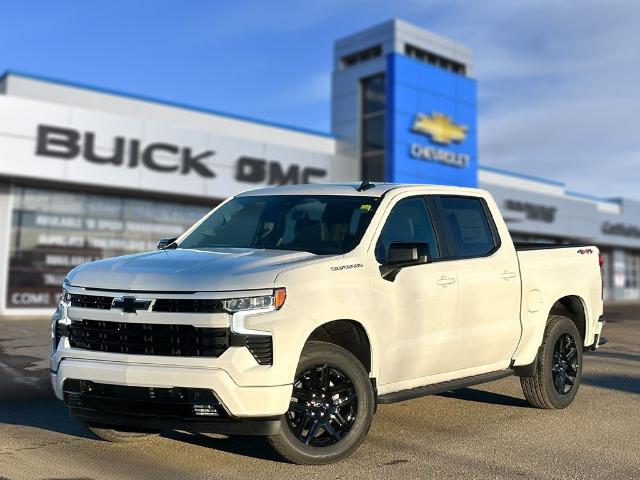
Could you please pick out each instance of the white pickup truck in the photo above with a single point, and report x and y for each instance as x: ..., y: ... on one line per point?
x: 292, y: 311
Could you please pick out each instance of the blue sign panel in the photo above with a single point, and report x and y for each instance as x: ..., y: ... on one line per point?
x: 431, y: 124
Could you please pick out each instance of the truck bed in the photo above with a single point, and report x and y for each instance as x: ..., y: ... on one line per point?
x: 550, y: 272
x: 524, y: 246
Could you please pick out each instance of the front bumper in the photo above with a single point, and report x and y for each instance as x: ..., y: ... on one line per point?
x: 240, y: 402
x: 150, y: 409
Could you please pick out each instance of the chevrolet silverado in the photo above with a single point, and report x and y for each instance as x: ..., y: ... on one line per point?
x: 293, y: 311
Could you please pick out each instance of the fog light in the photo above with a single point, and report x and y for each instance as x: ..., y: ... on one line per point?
x: 206, y: 410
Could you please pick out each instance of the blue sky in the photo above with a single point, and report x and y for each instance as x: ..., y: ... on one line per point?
x: 557, y: 81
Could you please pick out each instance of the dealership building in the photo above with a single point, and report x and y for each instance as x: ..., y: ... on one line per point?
x: 87, y: 173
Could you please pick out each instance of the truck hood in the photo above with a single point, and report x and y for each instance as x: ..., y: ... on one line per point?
x: 179, y: 270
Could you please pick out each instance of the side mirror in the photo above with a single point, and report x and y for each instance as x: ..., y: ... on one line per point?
x: 401, y: 255
x: 166, y: 242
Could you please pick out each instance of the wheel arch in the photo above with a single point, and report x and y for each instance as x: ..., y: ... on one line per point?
x: 349, y: 334
x: 572, y: 307
x: 568, y: 304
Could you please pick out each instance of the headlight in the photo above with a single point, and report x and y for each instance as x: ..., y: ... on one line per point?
x: 65, y: 297
x: 60, y: 321
x: 273, y: 301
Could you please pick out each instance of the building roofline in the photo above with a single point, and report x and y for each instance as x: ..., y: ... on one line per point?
x: 615, y: 201
x: 168, y: 103
x: 352, y: 35
x: 397, y: 23
x: 521, y: 175
x: 568, y: 193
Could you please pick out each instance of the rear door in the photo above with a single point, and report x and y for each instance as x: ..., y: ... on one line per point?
x: 489, y: 281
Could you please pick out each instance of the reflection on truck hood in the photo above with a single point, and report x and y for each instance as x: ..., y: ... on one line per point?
x: 189, y: 270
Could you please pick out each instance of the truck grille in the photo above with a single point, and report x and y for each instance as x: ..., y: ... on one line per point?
x: 91, y: 301
x: 178, y: 305
x: 148, y: 338
x: 175, y: 305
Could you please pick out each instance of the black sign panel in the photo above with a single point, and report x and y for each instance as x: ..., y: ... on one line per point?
x: 620, y: 229
x: 532, y: 211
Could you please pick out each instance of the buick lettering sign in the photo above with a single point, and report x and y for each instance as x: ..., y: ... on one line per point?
x: 70, y: 144
x: 67, y: 144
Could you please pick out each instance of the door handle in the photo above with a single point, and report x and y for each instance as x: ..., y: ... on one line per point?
x: 446, y: 281
x: 506, y: 275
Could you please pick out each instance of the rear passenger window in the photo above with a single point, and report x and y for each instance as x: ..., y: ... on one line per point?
x: 409, y: 221
x: 469, y: 230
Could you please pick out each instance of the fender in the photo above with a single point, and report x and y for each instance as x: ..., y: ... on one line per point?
x: 534, y: 324
x: 368, y: 330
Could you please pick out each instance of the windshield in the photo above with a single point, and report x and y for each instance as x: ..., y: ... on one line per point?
x: 316, y: 224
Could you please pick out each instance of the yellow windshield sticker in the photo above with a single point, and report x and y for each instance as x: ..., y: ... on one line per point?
x: 366, y: 208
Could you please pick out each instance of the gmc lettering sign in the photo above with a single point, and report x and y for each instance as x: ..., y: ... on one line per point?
x: 69, y: 144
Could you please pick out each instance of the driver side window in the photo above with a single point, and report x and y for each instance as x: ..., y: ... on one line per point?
x: 409, y: 221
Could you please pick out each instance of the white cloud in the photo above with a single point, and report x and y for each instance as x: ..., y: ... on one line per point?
x: 557, y: 84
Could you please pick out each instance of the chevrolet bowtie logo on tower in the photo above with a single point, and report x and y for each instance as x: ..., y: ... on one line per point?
x: 441, y: 131
x: 130, y: 304
x: 440, y: 128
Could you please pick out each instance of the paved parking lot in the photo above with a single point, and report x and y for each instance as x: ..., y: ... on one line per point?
x: 480, y: 432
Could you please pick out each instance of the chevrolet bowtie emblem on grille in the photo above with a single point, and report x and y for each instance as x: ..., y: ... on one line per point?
x: 440, y: 128
x: 130, y: 304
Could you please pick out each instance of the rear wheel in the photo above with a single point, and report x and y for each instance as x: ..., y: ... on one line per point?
x: 331, y: 407
x: 559, y: 366
x: 117, y: 436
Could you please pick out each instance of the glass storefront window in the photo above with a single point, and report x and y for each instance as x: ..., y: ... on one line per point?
x: 54, y: 231
x: 373, y: 168
x: 632, y: 270
x: 373, y: 134
x: 373, y: 94
x: 607, y: 274
x: 372, y: 128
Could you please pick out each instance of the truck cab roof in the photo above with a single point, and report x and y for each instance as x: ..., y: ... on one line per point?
x: 375, y: 189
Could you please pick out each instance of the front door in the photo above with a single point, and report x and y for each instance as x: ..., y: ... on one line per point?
x: 419, y: 308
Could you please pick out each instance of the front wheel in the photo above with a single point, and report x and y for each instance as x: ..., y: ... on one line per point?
x: 558, y: 368
x: 331, y: 407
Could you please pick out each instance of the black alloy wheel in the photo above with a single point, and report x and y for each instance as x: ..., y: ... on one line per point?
x: 565, y: 364
x: 331, y: 407
x: 323, y: 407
x: 558, y: 366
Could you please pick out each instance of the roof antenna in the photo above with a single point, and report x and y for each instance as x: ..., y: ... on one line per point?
x: 365, y: 185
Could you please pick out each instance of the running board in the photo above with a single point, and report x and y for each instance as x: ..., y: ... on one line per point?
x: 432, y: 389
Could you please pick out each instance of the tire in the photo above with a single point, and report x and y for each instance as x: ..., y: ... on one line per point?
x: 347, y: 409
x: 117, y: 436
x: 558, y: 366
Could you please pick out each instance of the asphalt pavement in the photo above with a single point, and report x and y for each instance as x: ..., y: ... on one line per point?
x: 487, y: 431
